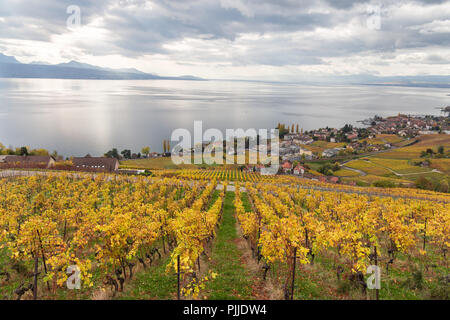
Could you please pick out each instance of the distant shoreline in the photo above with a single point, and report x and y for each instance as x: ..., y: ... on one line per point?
x: 425, y: 85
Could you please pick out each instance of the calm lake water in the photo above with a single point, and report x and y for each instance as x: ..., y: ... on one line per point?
x: 76, y: 117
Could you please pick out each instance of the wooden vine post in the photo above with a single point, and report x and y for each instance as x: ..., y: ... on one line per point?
x: 377, y: 291
x: 36, y: 261
x: 293, y: 273
x: 178, y: 277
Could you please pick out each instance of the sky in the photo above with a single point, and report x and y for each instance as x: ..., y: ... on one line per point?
x: 277, y: 40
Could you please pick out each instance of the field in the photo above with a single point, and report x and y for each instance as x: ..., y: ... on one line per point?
x: 319, y: 146
x: 386, y: 138
x: 368, y: 167
x: 398, y: 166
x: 414, y: 151
x: 370, y: 179
x: 442, y: 165
x: 346, y: 173
x: 126, y: 236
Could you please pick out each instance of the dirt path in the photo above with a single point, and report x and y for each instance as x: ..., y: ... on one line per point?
x: 362, y: 173
x: 261, y: 290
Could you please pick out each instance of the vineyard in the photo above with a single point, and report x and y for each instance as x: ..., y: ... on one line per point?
x: 221, y: 174
x: 107, y: 227
x: 287, y: 225
x: 187, y: 237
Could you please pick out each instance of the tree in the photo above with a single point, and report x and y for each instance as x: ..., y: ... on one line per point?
x: 424, y: 183
x: 296, y: 129
x: 126, y: 154
x: 336, y: 166
x: 282, y: 131
x: 347, y: 128
x: 164, y: 146
x: 23, y: 151
x: 145, y: 151
x: 384, y: 184
x: 326, y: 169
x: 113, y: 154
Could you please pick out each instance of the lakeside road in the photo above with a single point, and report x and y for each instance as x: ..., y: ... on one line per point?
x: 230, y: 186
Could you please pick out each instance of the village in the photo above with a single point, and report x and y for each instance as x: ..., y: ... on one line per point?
x: 298, y: 147
x: 309, y: 154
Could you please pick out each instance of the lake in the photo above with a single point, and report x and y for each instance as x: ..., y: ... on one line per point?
x: 76, y: 117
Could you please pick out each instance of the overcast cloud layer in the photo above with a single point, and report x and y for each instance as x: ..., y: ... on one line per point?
x: 240, y: 39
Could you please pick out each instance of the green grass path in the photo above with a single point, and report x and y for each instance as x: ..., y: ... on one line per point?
x: 152, y: 284
x: 232, y: 281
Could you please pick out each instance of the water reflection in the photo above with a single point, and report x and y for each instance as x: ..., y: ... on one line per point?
x: 77, y: 117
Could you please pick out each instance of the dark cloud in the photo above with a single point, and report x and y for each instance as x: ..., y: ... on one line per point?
x: 140, y: 27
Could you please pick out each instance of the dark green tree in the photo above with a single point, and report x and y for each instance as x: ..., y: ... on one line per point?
x: 113, y: 154
x: 126, y: 154
x: 23, y: 151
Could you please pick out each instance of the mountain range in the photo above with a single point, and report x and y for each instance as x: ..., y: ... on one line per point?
x: 10, y: 67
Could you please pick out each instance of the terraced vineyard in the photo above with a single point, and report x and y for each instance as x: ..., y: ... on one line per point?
x: 221, y: 174
x: 279, y: 238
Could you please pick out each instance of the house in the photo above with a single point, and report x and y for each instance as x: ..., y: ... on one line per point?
x: 321, y: 136
x: 294, y: 149
x: 93, y: 163
x: 284, y: 151
x: 304, y: 140
x: 29, y: 161
x: 333, y: 179
x: 292, y: 157
x: 131, y: 172
x: 423, y: 132
x: 329, y: 153
x: 286, y: 167
x: 308, y: 153
x: 290, y: 136
x: 299, y: 170
x: 154, y: 155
